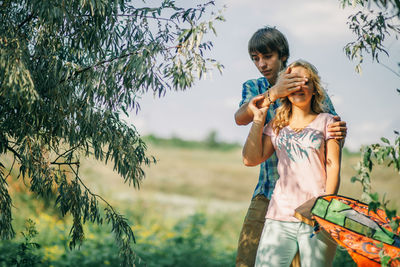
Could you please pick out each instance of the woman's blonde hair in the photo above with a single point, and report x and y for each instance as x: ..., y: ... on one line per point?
x: 284, y: 112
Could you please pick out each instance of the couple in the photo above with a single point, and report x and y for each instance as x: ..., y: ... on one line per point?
x: 292, y: 116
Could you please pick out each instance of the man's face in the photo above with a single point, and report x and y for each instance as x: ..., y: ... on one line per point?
x: 268, y: 64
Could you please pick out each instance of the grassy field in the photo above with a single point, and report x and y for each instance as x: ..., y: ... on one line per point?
x: 215, y: 182
x: 185, y: 182
x: 185, y: 179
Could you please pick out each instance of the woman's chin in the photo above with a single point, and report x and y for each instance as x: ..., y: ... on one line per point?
x: 296, y: 99
x: 299, y: 101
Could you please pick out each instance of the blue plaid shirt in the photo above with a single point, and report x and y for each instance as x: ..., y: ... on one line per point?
x: 268, y: 169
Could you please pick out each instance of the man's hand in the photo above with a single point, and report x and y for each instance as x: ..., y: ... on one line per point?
x: 338, y: 129
x: 286, y: 84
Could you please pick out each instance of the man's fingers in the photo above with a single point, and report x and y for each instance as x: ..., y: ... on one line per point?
x: 294, y: 83
x: 338, y: 133
x: 341, y: 137
x: 295, y: 76
x: 337, y: 124
x: 337, y: 118
x: 337, y: 128
x: 294, y: 89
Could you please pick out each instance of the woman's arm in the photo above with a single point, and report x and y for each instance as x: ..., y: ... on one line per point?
x: 258, y: 147
x: 254, y: 153
x: 245, y: 114
x: 333, y: 158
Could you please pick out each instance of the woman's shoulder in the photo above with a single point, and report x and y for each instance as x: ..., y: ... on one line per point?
x: 268, y: 130
x: 325, y: 118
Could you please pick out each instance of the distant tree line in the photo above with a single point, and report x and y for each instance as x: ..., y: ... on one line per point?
x: 209, y: 142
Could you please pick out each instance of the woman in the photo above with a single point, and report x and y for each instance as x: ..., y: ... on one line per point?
x: 309, y: 166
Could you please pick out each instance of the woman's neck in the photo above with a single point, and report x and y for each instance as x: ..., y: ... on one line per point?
x: 301, y: 116
x: 300, y: 112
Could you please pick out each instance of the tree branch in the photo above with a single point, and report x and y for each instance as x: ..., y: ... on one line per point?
x: 149, y: 17
x: 31, y: 16
x: 90, y: 192
x: 65, y: 163
x: 14, y: 152
x: 96, y: 65
x: 390, y: 69
x: 69, y: 150
x: 12, y: 167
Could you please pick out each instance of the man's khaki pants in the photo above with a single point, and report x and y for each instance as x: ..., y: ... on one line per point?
x: 251, y: 233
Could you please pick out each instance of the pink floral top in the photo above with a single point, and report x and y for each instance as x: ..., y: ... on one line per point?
x: 301, y: 166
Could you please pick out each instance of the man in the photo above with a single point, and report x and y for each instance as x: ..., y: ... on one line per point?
x: 269, y: 50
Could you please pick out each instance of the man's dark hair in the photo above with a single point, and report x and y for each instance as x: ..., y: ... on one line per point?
x: 267, y: 40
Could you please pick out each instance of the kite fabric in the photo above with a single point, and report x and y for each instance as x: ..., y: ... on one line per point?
x: 364, y: 233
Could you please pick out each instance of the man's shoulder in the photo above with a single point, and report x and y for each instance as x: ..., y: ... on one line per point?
x: 252, y: 88
x: 260, y: 83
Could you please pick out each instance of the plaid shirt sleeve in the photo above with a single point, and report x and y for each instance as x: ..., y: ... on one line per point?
x: 250, y: 89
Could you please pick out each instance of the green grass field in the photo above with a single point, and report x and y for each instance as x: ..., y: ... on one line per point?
x: 184, y: 180
x: 193, y: 197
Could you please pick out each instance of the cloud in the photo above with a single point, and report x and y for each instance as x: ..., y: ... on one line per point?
x: 231, y: 103
x: 368, y: 133
x: 139, y: 122
x: 313, y: 21
x: 337, y: 100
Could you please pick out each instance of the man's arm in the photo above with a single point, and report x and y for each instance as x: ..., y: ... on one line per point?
x: 286, y: 84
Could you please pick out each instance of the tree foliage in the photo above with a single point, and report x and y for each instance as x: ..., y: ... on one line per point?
x: 68, y: 70
x: 372, y: 25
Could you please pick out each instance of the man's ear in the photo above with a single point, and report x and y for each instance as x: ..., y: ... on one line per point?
x: 283, y: 59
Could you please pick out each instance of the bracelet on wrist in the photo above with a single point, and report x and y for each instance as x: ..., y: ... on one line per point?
x: 269, y: 98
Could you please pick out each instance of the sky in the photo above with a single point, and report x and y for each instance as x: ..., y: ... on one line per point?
x: 317, y: 32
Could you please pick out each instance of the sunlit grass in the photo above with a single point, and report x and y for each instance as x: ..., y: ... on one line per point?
x: 211, y: 185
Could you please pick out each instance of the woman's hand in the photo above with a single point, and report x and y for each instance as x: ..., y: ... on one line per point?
x: 259, y: 112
